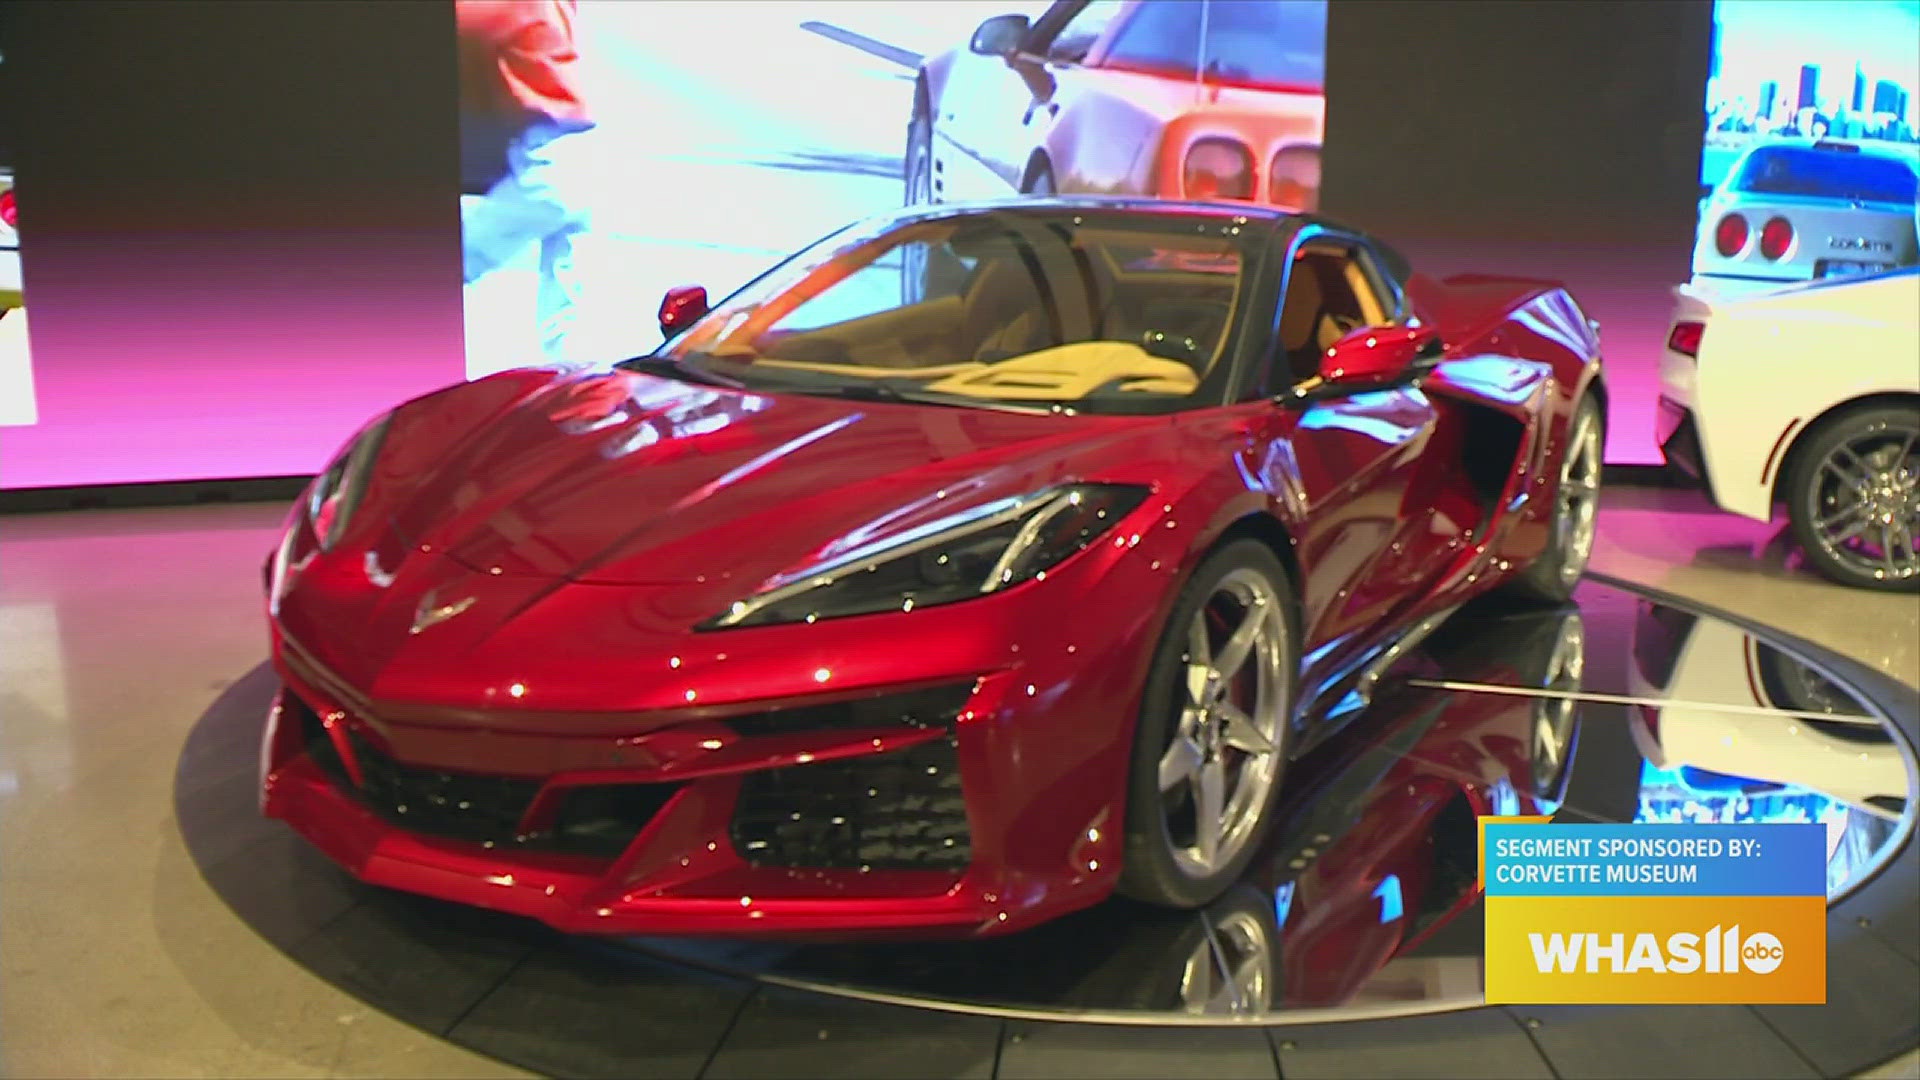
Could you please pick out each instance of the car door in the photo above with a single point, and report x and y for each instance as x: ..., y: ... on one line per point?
x: 1340, y: 468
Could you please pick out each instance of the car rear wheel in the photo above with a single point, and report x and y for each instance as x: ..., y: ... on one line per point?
x: 914, y: 266
x: 1210, y: 744
x: 1556, y: 572
x: 918, y: 165
x: 1040, y: 183
x: 1853, y: 497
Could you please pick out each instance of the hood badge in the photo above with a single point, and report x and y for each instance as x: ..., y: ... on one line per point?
x: 429, y: 615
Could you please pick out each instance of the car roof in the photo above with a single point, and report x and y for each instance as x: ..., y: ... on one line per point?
x: 1272, y: 217
x: 1063, y: 204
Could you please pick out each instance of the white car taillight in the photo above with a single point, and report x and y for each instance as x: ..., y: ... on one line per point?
x: 1685, y: 338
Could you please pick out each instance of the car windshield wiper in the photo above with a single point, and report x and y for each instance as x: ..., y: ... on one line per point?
x: 876, y: 390
x: 668, y: 367
x: 866, y: 391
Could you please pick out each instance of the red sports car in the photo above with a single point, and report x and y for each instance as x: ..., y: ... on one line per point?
x: 944, y: 606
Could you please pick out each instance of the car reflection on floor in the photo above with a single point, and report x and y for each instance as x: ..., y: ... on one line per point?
x: 1373, y: 861
x: 1367, y: 897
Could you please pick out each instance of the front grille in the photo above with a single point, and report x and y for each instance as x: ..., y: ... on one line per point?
x: 459, y: 806
x: 603, y: 819
x: 599, y: 820
x: 896, y: 811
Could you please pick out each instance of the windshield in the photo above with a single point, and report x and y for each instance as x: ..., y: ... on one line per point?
x: 1100, y: 310
x: 1263, y: 44
x: 1827, y: 174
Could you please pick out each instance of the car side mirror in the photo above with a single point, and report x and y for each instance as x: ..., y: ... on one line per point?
x: 1000, y: 36
x: 1377, y: 356
x: 682, y: 305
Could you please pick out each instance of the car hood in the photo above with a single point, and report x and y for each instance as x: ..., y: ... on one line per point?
x: 619, y: 478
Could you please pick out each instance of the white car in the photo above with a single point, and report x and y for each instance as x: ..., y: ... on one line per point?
x: 1807, y: 396
x: 1696, y: 664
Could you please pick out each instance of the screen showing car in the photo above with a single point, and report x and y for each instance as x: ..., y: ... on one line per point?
x: 1822, y: 173
x: 613, y: 151
x: 17, y: 406
x: 1812, y: 153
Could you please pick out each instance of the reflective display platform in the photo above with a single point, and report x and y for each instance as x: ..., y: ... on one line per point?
x: 1351, y: 949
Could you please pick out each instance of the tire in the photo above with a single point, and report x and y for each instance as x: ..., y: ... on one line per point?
x: 1236, y: 764
x: 1858, y: 472
x: 917, y: 181
x: 916, y: 168
x: 1542, y: 649
x: 1040, y: 184
x: 1554, y: 574
x: 1223, y: 960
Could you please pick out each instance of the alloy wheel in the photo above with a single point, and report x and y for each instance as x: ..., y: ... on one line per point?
x: 1866, y: 502
x: 1553, y: 717
x: 914, y: 264
x: 1220, y: 766
x: 1227, y: 973
x: 1577, y: 510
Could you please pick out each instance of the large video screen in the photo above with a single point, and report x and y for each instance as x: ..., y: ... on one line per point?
x: 614, y: 150
x: 16, y: 363
x: 1811, y: 154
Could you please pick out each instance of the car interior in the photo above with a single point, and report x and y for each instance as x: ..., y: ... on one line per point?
x: 1007, y: 314
x: 1329, y: 295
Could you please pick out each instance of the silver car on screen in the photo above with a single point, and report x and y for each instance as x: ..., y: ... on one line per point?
x: 1799, y: 209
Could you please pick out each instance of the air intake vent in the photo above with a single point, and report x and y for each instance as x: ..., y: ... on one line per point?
x: 895, y: 811
x: 599, y: 821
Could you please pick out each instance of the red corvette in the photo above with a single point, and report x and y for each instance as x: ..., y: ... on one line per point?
x: 963, y: 569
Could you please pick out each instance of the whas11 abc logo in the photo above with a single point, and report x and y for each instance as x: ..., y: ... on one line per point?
x: 1720, y: 951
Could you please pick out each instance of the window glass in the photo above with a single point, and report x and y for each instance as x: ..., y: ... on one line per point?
x: 1265, y: 44
x: 1827, y: 174
x: 1070, y: 45
x: 1101, y: 310
x: 1329, y: 295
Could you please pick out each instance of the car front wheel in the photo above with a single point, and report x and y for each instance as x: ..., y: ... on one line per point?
x: 1210, y: 744
x: 1553, y: 576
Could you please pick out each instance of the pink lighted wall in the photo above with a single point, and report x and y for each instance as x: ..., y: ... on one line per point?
x: 190, y: 358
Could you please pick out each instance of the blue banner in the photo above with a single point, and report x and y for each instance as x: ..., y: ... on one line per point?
x: 1655, y: 860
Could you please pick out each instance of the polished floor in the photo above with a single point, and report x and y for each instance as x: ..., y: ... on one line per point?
x: 118, y: 631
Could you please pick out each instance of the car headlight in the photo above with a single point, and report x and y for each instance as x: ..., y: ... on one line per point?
x: 978, y: 551
x: 336, y: 494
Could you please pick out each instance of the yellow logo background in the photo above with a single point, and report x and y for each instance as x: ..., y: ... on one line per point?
x: 1798, y: 921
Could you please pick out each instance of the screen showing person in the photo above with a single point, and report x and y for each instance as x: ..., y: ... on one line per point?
x: 613, y: 151
x: 17, y: 406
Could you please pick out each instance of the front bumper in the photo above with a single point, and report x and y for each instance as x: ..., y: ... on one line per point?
x: 1679, y: 441
x: 869, y: 832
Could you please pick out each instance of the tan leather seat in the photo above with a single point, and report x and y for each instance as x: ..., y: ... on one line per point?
x: 1302, y: 321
